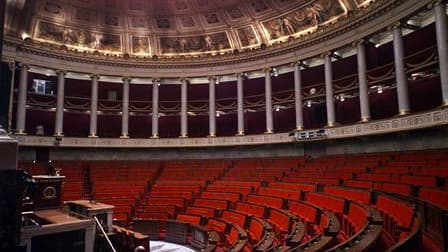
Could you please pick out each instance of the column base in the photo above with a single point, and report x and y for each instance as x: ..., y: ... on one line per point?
x: 331, y: 124
x: 154, y: 136
x: 58, y: 134
x: 403, y: 112
x: 212, y: 135
x: 183, y: 136
x: 269, y: 131
x: 124, y: 136
x: 240, y: 133
x: 444, y: 104
x: 299, y: 128
x: 92, y: 136
x: 20, y: 133
x: 365, y: 119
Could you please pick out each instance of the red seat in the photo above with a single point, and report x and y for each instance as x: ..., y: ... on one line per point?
x: 250, y: 208
x: 438, y: 197
x: 352, y: 194
x: 327, y: 201
x: 203, y: 211
x: 238, y: 218
x: 266, y: 200
x: 304, y: 210
x: 193, y: 219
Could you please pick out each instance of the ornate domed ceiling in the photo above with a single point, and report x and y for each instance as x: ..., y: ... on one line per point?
x: 178, y: 27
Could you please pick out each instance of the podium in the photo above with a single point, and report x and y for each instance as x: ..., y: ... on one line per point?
x: 47, y: 194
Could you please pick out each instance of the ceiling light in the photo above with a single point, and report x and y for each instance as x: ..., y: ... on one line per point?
x: 277, y: 108
x: 218, y: 114
x: 308, y: 104
x: 342, y: 97
x: 216, y: 80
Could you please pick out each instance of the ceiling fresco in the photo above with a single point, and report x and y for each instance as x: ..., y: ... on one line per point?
x: 179, y: 27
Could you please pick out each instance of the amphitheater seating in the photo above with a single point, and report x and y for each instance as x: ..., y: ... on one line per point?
x: 342, y: 203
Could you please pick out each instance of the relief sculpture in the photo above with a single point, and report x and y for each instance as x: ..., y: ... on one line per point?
x: 55, y: 33
x: 195, y: 44
x: 317, y: 13
x: 247, y: 36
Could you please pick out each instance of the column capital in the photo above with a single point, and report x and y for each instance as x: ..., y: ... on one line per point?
x: 61, y: 72
x: 267, y: 69
x: 298, y: 63
x: 126, y: 79
x: 434, y: 3
x: 23, y: 65
x: 326, y: 54
x: 211, y: 78
x: 94, y: 76
x: 359, y: 42
x: 394, y: 26
x: 156, y: 80
x: 12, y: 66
x: 183, y: 79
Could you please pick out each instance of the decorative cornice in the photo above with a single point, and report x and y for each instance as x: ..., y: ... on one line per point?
x: 323, y: 34
x: 434, y: 118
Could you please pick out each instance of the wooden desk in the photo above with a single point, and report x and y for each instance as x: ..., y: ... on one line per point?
x: 56, y: 222
x: 84, y: 207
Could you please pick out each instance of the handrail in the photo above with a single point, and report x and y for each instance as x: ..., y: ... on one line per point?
x: 100, y: 227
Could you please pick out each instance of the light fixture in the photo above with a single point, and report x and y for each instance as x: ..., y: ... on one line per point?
x: 308, y: 104
x: 274, y: 72
x: 342, y: 97
x: 277, y: 108
x: 218, y: 114
x: 379, y: 90
x: 24, y: 35
x: 216, y: 80
x: 313, y: 91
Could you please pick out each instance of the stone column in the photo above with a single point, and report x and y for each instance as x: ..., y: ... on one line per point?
x: 211, y: 107
x: 331, y: 115
x: 240, y: 102
x: 59, y: 122
x: 125, y: 108
x: 21, y: 100
x: 298, y: 95
x: 155, y: 108
x: 183, y: 108
x: 362, y: 81
x: 94, y: 106
x: 442, y: 46
x: 268, y: 101
x: 400, y: 71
